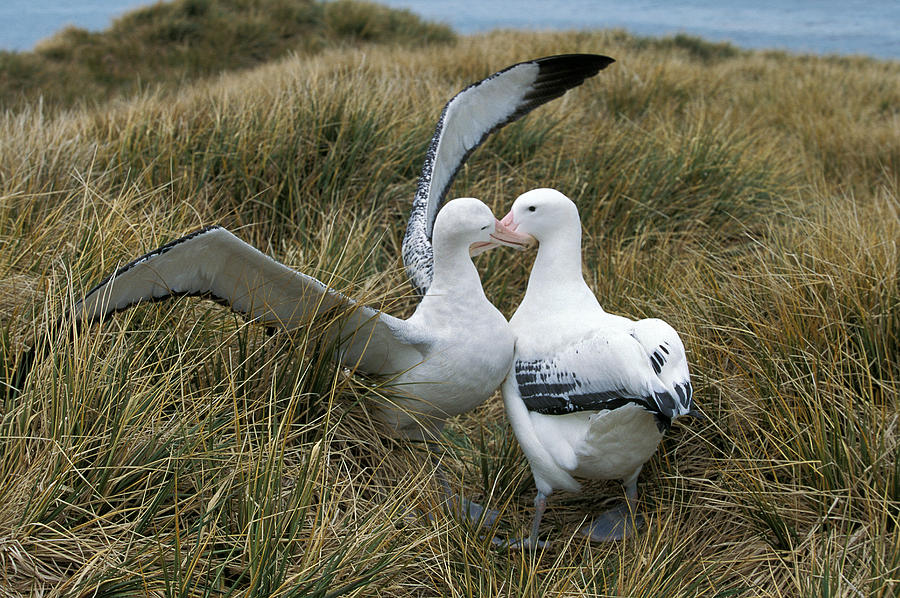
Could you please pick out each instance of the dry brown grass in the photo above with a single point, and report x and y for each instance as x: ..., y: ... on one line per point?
x: 750, y: 199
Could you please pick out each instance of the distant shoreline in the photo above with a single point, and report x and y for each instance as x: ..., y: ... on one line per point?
x: 795, y: 26
x: 823, y: 29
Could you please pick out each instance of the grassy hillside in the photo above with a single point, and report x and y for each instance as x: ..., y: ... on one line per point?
x: 750, y: 199
x: 171, y: 43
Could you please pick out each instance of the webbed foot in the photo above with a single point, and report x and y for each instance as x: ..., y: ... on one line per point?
x: 523, y: 544
x: 614, y: 524
x: 472, y: 511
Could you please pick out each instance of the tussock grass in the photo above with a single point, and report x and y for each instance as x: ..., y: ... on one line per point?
x: 750, y: 199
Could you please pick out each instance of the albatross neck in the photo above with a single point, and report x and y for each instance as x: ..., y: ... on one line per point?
x: 455, y: 274
x: 556, y: 271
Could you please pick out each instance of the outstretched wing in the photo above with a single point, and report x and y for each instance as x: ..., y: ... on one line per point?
x: 605, y: 370
x: 214, y: 264
x: 466, y: 121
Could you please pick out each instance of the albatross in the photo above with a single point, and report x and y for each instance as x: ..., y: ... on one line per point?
x: 590, y: 393
x: 445, y: 359
x: 454, y: 351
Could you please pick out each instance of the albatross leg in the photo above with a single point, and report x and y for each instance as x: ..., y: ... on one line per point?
x: 621, y: 521
x: 471, y: 510
x: 474, y: 512
x: 532, y: 542
x: 540, y: 503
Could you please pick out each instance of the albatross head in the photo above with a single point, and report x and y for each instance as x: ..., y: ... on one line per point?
x: 543, y: 214
x: 468, y: 222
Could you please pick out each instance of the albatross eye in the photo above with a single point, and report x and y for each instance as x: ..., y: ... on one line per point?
x: 531, y: 208
x: 484, y: 227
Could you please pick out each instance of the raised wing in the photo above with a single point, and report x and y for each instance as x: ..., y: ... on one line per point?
x: 606, y: 370
x: 466, y: 121
x: 214, y: 264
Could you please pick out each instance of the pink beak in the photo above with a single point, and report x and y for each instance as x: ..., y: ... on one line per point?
x: 508, y: 222
x: 503, y: 235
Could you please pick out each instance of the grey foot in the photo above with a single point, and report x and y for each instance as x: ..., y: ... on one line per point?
x: 464, y: 508
x: 523, y: 544
x: 614, y: 524
x: 474, y: 512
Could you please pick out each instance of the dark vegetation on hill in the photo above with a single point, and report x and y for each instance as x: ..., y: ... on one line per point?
x: 171, y: 43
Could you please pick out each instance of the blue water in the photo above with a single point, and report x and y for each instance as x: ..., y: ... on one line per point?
x: 817, y: 26
x: 25, y: 22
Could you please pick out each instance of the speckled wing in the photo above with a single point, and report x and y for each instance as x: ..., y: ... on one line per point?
x: 605, y: 370
x: 212, y: 263
x: 466, y: 121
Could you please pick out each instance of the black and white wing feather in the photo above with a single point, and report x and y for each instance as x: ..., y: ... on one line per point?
x: 466, y: 121
x: 664, y: 349
x: 607, y: 370
x: 214, y: 264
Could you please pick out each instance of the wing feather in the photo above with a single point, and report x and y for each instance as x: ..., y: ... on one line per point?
x: 604, y: 370
x: 214, y: 264
x: 466, y: 121
x: 667, y: 356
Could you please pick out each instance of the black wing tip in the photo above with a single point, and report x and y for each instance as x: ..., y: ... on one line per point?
x: 19, y: 370
x: 696, y: 413
x: 158, y: 251
x: 560, y: 73
x: 99, y: 317
x: 592, y: 63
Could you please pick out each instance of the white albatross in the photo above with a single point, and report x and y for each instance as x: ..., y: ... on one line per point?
x: 590, y: 393
x: 447, y: 358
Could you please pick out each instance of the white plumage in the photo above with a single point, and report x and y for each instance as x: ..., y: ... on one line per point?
x: 448, y: 357
x: 454, y: 351
x: 590, y: 393
x: 466, y: 121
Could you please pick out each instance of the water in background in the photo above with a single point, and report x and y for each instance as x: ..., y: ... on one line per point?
x: 818, y: 26
x: 25, y: 22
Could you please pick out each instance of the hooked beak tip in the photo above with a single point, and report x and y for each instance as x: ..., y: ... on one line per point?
x: 505, y: 234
